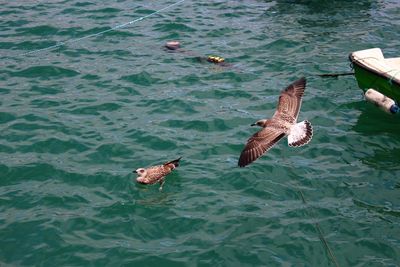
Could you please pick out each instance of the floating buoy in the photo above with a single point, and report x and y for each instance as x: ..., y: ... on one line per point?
x: 215, y: 59
x: 173, y: 45
x: 385, y: 103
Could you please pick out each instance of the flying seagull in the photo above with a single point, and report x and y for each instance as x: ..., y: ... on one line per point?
x: 154, y: 174
x: 283, y: 123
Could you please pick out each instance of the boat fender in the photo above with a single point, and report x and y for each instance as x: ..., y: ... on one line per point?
x: 385, y: 103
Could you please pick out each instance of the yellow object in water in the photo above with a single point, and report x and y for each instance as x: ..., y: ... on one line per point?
x: 215, y: 59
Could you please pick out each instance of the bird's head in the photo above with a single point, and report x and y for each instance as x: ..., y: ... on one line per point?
x: 261, y: 123
x: 141, y: 172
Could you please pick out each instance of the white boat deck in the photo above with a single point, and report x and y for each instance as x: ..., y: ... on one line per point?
x: 374, y: 59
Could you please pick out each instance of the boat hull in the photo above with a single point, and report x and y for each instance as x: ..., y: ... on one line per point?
x: 368, y: 77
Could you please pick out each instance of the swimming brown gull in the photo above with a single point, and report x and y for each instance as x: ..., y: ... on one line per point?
x: 283, y: 123
x: 154, y: 174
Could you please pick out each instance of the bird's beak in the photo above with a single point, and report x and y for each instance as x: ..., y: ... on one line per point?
x: 253, y: 124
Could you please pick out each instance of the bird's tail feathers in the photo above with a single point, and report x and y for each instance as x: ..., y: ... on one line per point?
x: 175, y: 162
x: 300, y: 134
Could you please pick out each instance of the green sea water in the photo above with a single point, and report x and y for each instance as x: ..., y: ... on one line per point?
x: 76, y: 120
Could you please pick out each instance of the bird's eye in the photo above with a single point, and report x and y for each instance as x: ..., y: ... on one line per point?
x: 141, y: 171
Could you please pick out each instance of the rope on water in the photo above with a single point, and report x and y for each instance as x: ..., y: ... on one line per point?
x: 100, y: 33
x: 320, y: 233
x: 393, y: 76
x: 334, y: 75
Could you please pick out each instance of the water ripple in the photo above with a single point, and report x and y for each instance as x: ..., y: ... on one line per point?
x: 77, y: 120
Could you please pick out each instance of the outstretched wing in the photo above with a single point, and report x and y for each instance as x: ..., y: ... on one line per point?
x: 290, y: 101
x: 260, y: 143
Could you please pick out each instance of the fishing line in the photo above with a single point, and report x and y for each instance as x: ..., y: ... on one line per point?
x: 317, y: 227
x: 320, y: 233
x: 70, y: 41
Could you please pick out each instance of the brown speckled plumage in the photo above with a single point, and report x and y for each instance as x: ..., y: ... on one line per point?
x: 154, y: 174
x: 283, y: 123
